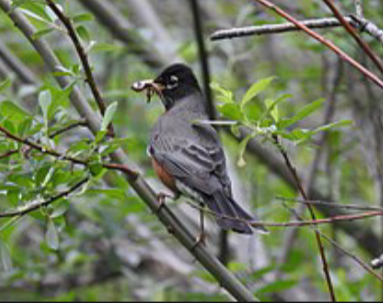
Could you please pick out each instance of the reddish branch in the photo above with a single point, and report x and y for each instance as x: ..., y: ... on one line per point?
x: 354, y: 34
x: 83, y: 57
x: 324, y: 41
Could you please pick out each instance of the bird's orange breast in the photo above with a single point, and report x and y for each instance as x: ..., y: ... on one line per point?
x: 164, y: 176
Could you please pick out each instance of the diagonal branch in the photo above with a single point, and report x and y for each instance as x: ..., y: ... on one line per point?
x: 311, y: 210
x: 83, y: 57
x: 353, y: 33
x: 324, y: 41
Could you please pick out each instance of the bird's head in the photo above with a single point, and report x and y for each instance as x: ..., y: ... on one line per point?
x: 172, y: 84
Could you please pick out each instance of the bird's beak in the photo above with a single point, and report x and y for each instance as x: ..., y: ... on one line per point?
x: 151, y: 87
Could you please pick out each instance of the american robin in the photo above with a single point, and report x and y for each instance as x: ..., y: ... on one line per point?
x: 187, y: 155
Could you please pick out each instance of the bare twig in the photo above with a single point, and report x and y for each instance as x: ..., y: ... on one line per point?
x: 324, y: 41
x: 303, y: 193
x: 300, y: 223
x: 20, y: 211
x: 367, y: 26
x: 84, y: 59
x: 337, y: 246
x: 275, y: 28
x: 67, y: 128
x: 332, y: 204
x: 353, y: 33
x: 203, y: 57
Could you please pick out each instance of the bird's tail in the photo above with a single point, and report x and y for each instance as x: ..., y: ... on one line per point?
x: 230, y: 215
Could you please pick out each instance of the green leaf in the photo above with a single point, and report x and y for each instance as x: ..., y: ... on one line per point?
x: 231, y: 111
x: 83, y: 33
x: 61, y: 207
x: 13, y: 113
x: 5, y: 257
x: 82, y: 18
x: 303, y: 113
x: 224, y: 95
x: 272, y: 106
x: 242, y: 148
x: 42, y: 32
x: 330, y: 126
x: 105, y: 47
x: 95, y: 168
x: 45, y: 99
x: 5, y: 84
x: 52, y: 236
x: 255, y: 89
x: 110, y: 110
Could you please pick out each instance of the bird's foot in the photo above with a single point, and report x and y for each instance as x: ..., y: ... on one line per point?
x: 161, y: 197
x: 201, y: 239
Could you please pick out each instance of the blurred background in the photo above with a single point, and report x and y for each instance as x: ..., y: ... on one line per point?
x: 109, y: 245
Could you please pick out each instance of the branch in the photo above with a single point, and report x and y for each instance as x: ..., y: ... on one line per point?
x: 311, y: 210
x: 275, y: 28
x: 337, y: 246
x: 353, y: 33
x: 367, y: 26
x: 67, y: 128
x: 123, y: 168
x: 83, y: 57
x: 332, y: 204
x: 141, y: 187
x: 299, y: 223
x: 324, y: 41
x: 20, y: 211
x: 365, y: 237
x: 203, y: 57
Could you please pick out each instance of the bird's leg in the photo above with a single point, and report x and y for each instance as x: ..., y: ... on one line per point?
x: 202, y: 236
x: 161, y: 197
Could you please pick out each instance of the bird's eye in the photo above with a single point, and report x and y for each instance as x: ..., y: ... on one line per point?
x: 173, y: 82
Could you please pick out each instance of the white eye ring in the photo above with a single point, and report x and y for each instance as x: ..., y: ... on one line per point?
x: 173, y: 82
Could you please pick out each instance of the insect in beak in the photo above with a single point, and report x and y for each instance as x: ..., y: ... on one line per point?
x: 150, y: 87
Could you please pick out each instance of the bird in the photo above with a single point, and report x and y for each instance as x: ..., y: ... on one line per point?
x: 186, y: 154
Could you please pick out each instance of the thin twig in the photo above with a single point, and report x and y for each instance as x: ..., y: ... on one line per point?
x: 336, y: 245
x: 332, y: 204
x: 299, y: 223
x: 304, y: 196
x: 275, y: 28
x: 203, y: 57
x: 324, y: 41
x: 121, y: 167
x: 67, y: 128
x: 353, y: 33
x: 84, y: 59
x: 20, y: 211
